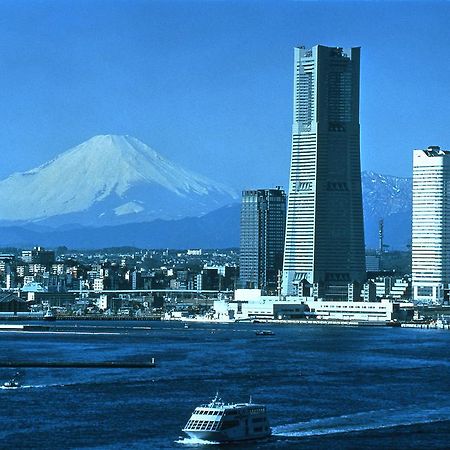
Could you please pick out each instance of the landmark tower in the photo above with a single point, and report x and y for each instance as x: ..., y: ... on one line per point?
x: 324, y: 245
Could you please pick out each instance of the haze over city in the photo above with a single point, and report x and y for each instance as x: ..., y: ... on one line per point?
x: 209, y: 84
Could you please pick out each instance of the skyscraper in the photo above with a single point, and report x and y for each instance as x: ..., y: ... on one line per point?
x: 263, y: 220
x: 431, y: 224
x: 324, y: 243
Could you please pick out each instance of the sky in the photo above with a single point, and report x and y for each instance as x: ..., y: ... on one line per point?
x: 208, y: 84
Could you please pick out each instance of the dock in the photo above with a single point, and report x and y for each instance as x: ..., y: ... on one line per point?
x: 79, y: 364
x: 24, y: 327
x: 427, y: 325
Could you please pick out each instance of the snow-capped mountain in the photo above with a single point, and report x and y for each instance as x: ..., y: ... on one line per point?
x: 108, y: 179
x: 116, y: 180
x: 385, y: 195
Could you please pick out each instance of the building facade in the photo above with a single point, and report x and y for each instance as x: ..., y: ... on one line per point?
x: 324, y: 244
x: 431, y: 224
x: 250, y: 304
x: 263, y: 220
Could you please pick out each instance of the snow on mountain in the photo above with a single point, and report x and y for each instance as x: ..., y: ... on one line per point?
x: 385, y: 195
x: 108, y: 179
x: 115, y: 180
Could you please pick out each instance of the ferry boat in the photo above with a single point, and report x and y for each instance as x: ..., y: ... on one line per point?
x: 13, y: 383
x: 221, y: 422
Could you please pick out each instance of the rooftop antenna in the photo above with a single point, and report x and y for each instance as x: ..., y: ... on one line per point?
x: 216, y: 399
x: 381, y: 236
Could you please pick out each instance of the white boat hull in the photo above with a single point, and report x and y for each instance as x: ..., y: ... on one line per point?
x: 217, y: 436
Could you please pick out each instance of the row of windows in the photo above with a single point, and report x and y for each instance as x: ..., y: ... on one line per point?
x: 336, y: 308
x: 207, y: 425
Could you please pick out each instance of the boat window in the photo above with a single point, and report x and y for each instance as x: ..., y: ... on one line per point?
x: 204, y: 425
x: 229, y: 424
x: 258, y: 419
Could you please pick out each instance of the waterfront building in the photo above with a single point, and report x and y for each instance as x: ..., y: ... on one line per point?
x: 431, y: 224
x: 369, y: 291
x: 11, y: 303
x: 324, y: 246
x: 393, y: 287
x: 263, y: 220
x: 250, y: 304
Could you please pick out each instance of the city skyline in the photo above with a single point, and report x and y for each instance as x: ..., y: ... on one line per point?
x: 194, y: 88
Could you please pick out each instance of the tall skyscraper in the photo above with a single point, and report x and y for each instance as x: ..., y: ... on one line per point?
x: 431, y: 224
x: 324, y: 232
x: 263, y: 220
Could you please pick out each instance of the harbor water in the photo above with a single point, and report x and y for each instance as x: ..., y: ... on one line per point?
x: 324, y: 387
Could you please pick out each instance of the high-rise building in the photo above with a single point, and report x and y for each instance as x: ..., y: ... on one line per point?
x: 324, y: 245
x: 431, y: 224
x: 263, y: 220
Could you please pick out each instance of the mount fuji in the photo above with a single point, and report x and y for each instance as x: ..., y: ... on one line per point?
x: 108, y: 180
x: 115, y: 190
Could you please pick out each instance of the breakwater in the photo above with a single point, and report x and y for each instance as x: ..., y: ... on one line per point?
x: 116, y: 318
x: 80, y: 364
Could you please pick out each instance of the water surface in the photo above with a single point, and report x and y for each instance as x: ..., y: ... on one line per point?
x: 325, y: 387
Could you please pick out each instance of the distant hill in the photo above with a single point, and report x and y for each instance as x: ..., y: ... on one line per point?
x: 386, y: 197
x: 218, y: 229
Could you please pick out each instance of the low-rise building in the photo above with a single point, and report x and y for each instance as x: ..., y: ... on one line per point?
x: 255, y: 306
x: 10, y: 303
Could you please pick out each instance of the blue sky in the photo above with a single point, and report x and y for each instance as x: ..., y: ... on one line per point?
x: 209, y: 84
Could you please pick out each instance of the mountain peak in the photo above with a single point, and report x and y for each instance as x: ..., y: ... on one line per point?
x: 108, y: 173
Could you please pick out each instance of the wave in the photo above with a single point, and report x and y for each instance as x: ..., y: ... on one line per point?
x: 370, y: 420
x: 31, y: 386
x: 195, y: 442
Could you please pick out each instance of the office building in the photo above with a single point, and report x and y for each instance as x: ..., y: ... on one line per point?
x: 324, y: 247
x: 431, y: 224
x: 263, y: 219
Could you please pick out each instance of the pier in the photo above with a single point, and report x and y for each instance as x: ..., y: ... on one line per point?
x: 24, y: 327
x: 427, y: 325
x: 79, y: 364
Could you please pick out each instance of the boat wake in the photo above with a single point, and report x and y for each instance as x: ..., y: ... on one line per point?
x: 195, y: 442
x: 31, y: 386
x: 370, y: 420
